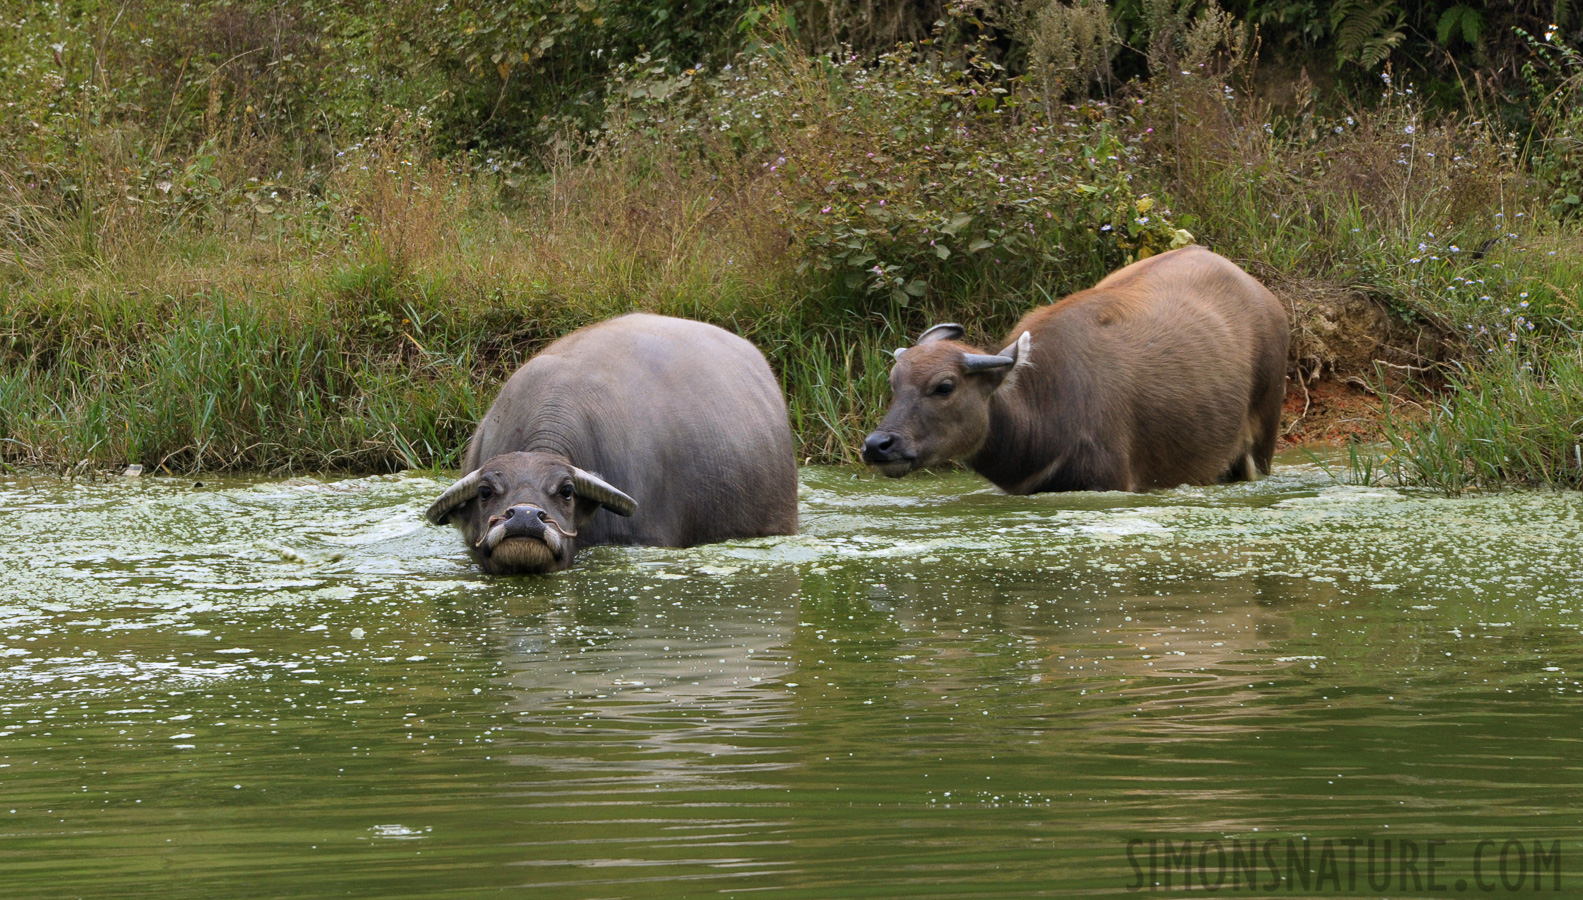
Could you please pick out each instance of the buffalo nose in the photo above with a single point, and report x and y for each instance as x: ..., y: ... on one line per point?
x: 877, y: 446
x: 527, y: 511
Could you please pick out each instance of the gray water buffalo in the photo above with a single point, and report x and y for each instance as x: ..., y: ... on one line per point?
x: 1170, y: 371
x: 640, y: 430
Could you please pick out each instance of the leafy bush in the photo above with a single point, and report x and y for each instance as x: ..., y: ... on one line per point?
x: 369, y: 218
x: 1558, y: 155
x: 915, y: 174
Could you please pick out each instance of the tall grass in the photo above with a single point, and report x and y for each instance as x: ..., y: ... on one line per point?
x: 1445, y: 220
x: 365, y: 325
x: 1511, y: 412
x: 1504, y: 421
x: 233, y: 302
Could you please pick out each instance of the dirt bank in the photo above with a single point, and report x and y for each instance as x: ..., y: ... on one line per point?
x: 1348, y: 346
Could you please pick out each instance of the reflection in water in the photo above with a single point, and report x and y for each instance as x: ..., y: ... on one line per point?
x: 299, y: 688
x: 680, y: 673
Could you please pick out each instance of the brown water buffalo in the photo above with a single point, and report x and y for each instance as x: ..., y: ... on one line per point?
x: 683, y: 423
x: 1170, y: 371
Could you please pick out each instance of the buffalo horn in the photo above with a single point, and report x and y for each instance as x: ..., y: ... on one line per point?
x: 980, y: 362
x: 597, y: 489
x: 898, y: 352
x: 465, y: 489
x: 946, y: 331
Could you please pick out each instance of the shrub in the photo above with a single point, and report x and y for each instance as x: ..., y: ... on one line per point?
x: 916, y: 175
x: 1558, y: 132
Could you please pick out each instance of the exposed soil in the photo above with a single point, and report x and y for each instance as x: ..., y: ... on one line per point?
x: 1330, y: 412
x: 1347, y: 347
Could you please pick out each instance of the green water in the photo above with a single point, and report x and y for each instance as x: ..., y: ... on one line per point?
x: 297, y: 689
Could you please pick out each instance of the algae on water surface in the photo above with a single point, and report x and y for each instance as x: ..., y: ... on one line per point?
x: 297, y: 688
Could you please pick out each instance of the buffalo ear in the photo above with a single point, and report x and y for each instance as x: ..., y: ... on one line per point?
x: 946, y: 331
x: 1018, y: 350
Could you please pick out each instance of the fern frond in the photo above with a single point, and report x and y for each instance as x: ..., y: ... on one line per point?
x: 1460, y: 20
x: 1366, y: 31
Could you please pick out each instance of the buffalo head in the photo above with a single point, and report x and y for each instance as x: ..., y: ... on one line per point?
x: 939, y: 408
x: 520, y: 512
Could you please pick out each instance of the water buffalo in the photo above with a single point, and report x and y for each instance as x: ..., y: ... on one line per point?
x: 1170, y: 371
x: 683, y: 422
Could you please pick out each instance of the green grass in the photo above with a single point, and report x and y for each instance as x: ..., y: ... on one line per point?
x: 355, y: 364
x: 209, y: 350
x: 200, y: 307
x: 1512, y: 419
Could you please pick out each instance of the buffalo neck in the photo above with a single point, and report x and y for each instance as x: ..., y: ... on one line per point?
x: 1043, y: 428
x: 1009, y: 455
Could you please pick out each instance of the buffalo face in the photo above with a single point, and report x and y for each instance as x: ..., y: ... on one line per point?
x: 520, y: 512
x: 939, y: 410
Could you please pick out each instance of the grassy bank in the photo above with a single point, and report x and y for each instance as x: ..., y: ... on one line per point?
x: 205, y: 288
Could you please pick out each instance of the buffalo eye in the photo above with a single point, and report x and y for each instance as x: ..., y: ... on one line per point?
x: 943, y: 389
x: 566, y: 491
x: 485, y: 492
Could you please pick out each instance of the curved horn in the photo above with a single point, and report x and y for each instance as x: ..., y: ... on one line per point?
x: 595, y: 488
x: 465, y: 489
x: 980, y: 362
x: 898, y: 352
x: 945, y: 331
